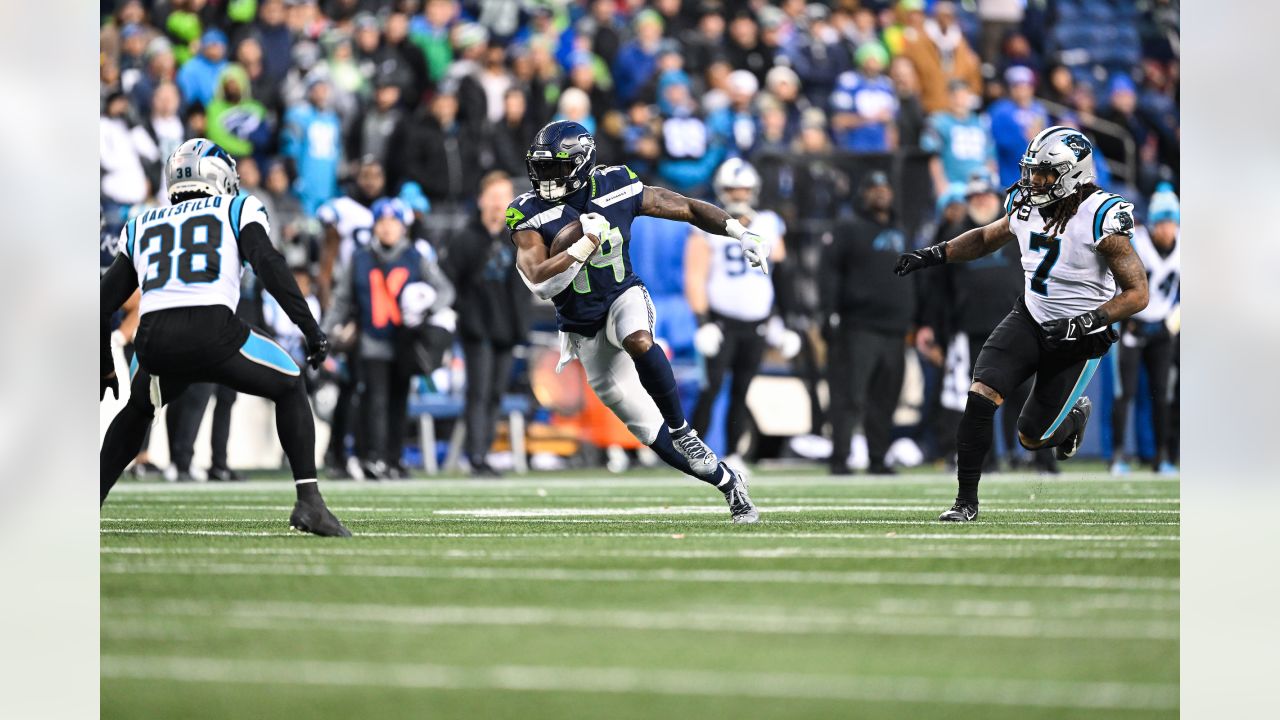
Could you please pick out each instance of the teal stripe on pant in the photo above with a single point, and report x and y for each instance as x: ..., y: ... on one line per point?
x: 1086, y: 374
x: 265, y: 352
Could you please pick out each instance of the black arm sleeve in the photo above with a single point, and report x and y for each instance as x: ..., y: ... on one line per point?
x: 271, y: 268
x: 118, y: 283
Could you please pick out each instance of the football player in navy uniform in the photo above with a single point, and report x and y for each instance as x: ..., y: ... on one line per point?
x: 603, y: 311
x: 1075, y: 242
x: 186, y: 258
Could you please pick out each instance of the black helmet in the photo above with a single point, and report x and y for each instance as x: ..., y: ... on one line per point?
x: 560, y: 160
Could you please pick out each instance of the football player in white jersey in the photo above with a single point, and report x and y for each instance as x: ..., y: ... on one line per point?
x: 1076, y: 249
x: 732, y: 304
x: 187, y: 260
x: 348, y: 222
x: 1148, y: 338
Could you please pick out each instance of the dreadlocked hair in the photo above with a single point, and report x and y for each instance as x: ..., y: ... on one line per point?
x: 1060, y: 212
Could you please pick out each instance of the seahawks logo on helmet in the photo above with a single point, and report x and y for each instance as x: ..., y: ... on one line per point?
x: 1078, y: 145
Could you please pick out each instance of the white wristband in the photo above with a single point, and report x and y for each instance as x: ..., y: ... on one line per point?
x: 582, y: 249
x: 735, y: 229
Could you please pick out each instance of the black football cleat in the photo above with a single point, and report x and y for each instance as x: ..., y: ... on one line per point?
x: 311, y: 516
x: 741, y: 509
x: 1082, y: 409
x: 960, y: 512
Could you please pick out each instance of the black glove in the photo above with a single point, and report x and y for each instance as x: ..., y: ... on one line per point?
x: 317, y: 349
x: 922, y: 258
x: 109, y: 381
x: 1070, y: 329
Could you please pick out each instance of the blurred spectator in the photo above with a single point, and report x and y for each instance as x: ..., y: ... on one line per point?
x: 638, y: 59
x: 590, y: 75
x: 510, y: 137
x: 235, y: 120
x: 703, y: 44
x: 493, y: 310
x: 373, y: 128
x: 1062, y: 86
x: 183, y: 28
x: 159, y: 69
x: 263, y: 88
x: 275, y: 38
x: 784, y: 85
x: 867, y: 312
x: 121, y: 155
x: 575, y: 106
x: 999, y: 18
x: 691, y: 151
x: 1015, y: 120
x: 500, y: 17
x: 818, y: 57
x: 1017, y: 50
x: 467, y: 76
x: 165, y: 130
x: 399, y: 51
x: 864, y: 104
x: 312, y: 139
x: 910, y: 120
x: 960, y: 141
x: 438, y: 153
x: 602, y: 27
x: 370, y: 293
x: 739, y: 121
x: 937, y: 48
x: 198, y: 76
x: 745, y: 50
x: 430, y: 32
x: 287, y: 217
x: 1122, y: 110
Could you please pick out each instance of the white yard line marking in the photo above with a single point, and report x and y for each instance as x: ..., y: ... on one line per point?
x: 603, y: 520
x: 719, y: 537
x: 736, y: 685
x: 425, y: 499
x: 914, y: 552
x: 274, y: 616
x: 929, y: 579
x: 538, y: 512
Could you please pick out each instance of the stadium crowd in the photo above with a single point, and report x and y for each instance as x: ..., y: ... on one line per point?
x: 411, y: 119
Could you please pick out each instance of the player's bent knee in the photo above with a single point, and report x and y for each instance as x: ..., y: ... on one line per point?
x: 638, y: 343
x: 987, y: 392
x: 645, y: 432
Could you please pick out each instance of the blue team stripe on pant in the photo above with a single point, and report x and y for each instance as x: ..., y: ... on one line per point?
x: 133, y: 365
x: 266, y: 352
x: 1085, y: 375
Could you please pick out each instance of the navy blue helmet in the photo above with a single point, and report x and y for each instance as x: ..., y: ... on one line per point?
x: 560, y: 160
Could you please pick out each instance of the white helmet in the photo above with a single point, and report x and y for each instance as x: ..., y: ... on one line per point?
x: 200, y: 166
x: 733, y: 174
x: 1062, y: 149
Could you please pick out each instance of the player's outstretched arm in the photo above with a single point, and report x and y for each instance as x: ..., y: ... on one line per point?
x: 271, y: 268
x: 1130, y: 275
x: 118, y: 284
x: 549, y: 276
x: 966, y: 246
x: 663, y: 203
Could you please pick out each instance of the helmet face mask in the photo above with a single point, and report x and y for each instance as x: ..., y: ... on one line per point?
x: 200, y: 167
x: 1063, y: 152
x: 561, y: 160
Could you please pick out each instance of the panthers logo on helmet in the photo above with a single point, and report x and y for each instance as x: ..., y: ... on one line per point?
x: 1078, y: 145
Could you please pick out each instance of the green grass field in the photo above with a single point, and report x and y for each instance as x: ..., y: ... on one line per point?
x: 634, y: 597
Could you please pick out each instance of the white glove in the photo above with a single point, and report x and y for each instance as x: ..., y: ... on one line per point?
x: 789, y: 344
x: 594, y: 224
x: 1174, y: 321
x: 755, y: 250
x: 708, y: 339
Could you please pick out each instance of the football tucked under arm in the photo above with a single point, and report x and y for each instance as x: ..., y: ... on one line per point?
x: 548, y: 273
